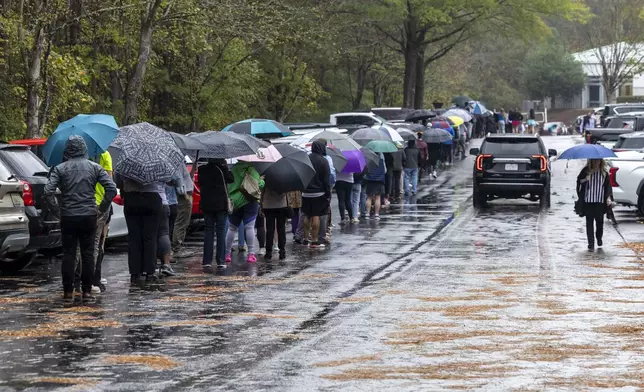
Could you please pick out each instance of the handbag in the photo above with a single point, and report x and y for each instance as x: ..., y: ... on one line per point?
x: 250, y: 187
x: 229, y: 202
x: 579, y: 208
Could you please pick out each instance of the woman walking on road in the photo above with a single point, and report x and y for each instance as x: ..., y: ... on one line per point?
x: 595, y: 192
x: 214, y: 178
x: 343, y: 188
x: 375, y: 188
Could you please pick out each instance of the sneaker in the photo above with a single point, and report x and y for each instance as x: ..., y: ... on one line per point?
x: 355, y: 220
x: 344, y: 222
x: 591, y: 248
x: 134, y: 278
x: 434, y: 174
x: 152, y: 278
x: 297, y: 241
x: 88, y: 296
x: 96, y: 290
x: 68, y: 295
x: 600, y: 244
x: 103, y: 281
x: 229, y: 258
x: 251, y: 258
x: 242, y: 248
x: 306, y: 242
x: 167, y: 270
x: 282, y: 255
x: 207, y: 268
x: 317, y: 245
x: 376, y: 217
x: 268, y: 256
x: 325, y: 241
x: 262, y: 251
x: 221, y: 267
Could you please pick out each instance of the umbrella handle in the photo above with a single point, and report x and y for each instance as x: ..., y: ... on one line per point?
x: 194, y: 166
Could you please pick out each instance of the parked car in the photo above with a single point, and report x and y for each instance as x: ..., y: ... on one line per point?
x: 512, y: 167
x: 627, y: 179
x: 14, y: 225
x: 118, y: 226
x: 356, y: 118
x: 616, y: 126
x: 393, y: 115
x: 619, y: 108
x: 629, y: 142
x: 554, y: 129
x: 26, y: 167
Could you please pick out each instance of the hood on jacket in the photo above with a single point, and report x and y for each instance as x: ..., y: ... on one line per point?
x: 75, y: 148
x: 318, y: 147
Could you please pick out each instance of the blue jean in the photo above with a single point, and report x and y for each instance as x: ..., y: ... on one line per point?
x: 356, y: 189
x: 363, y: 201
x: 411, y: 175
x: 216, y: 224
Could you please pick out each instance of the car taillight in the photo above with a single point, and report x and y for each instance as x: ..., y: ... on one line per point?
x: 613, y: 176
x: 479, y: 161
x: 118, y: 200
x: 543, y: 162
x: 27, y: 194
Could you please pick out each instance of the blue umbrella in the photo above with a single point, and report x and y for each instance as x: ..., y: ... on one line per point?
x: 98, y: 130
x: 257, y: 127
x: 588, y: 151
x: 479, y: 108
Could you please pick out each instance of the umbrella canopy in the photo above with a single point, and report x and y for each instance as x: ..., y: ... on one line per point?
x: 382, y: 146
x: 456, y: 112
x: 588, y: 151
x: 372, y: 159
x: 479, y: 108
x: 227, y: 145
x: 365, y: 135
x: 268, y: 155
x: 436, y: 135
x: 339, y: 160
x: 409, y: 126
x: 340, y: 141
x: 442, y: 124
x: 147, y: 154
x: 395, y: 136
x: 257, y: 127
x: 461, y: 100
x: 456, y: 121
x: 291, y: 173
x: 98, y: 131
x: 406, y: 134
x: 356, y: 161
x: 420, y: 114
x: 186, y: 143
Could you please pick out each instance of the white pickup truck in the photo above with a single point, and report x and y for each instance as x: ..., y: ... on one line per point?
x: 627, y: 178
x: 356, y: 118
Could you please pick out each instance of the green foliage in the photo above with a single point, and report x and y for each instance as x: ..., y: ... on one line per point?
x: 551, y: 72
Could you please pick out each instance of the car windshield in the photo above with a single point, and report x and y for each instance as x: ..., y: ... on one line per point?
x: 511, y: 147
x: 5, y: 173
x: 23, y: 162
x: 628, y: 109
x: 621, y: 122
x: 631, y: 143
x: 391, y: 114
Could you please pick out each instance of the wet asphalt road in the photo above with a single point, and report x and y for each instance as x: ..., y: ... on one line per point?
x: 435, y: 296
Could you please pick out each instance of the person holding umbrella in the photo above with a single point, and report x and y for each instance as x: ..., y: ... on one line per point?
x: 316, y: 197
x: 343, y: 188
x: 375, y: 187
x: 76, y: 178
x: 412, y: 157
x: 213, y: 180
x: 275, y: 206
x: 594, y: 191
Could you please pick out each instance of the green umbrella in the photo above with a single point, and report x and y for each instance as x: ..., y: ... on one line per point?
x: 382, y: 146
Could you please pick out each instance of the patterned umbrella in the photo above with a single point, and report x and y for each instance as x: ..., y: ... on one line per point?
x: 147, y: 154
x: 227, y: 145
x: 257, y: 127
x: 269, y: 155
x: 340, y: 141
x: 365, y: 135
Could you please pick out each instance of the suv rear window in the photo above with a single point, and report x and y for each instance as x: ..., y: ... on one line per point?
x: 621, y: 122
x: 23, y: 162
x: 511, y: 147
x: 634, y: 143
x: 628, y: 109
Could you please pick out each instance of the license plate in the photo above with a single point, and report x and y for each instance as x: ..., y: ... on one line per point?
x: 511, y: 166
x: 17, y: 200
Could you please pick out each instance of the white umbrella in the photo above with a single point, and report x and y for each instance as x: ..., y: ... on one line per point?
x: 395, y: 136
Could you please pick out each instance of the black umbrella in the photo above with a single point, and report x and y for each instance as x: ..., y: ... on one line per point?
x: 420, y: 114
x: 226, y: 145
x: 147, y: 154
x: 186, y: 143
x: 291, y: 173
x: 406, y: 134
x: 461, y: 101
x: 339, y: 160
x: 410, y: 126
x: 373, y: 159
x: 436, y: 135
x: 366, y: 135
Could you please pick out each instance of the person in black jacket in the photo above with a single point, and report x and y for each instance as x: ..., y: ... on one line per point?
x: 317, y: 196
x: 595, y: 192
x: 213, y: 180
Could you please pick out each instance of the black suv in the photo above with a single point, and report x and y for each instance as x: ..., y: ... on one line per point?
x: 44, y: 225
x: 512, y: 167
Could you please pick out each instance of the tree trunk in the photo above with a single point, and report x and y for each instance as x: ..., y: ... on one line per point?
x: 360, y: 86
x: 34, y: 83
x: 419, y: 96
x: 611, y: 95
x: 76, y: 9
x: 135, y: 81
x: 409, y: 81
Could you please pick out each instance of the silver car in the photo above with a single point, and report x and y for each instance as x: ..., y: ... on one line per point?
x: 14, y: 225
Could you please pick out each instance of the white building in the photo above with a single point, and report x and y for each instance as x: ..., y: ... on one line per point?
x: 593, y: 93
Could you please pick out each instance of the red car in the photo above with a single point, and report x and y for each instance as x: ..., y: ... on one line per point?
x: 196, y: 195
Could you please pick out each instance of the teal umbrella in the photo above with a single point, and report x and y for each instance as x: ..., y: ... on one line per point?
x: 382, y: 146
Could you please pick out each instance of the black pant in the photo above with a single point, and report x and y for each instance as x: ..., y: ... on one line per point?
x: 215, y: 225
x: 78, y: 231
x: 276, y: 218
x: 594, y: 215
x: 163, y: 232
x: 142, y: 211
x: 397, y: 188
x: 261, y: 231
x: 343, y: 189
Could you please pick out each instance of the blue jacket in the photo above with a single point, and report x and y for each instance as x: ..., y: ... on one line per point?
x: 378, y: 174
x: 451, y: 132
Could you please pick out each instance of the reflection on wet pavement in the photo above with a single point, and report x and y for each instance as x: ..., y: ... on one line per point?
x: 435, y: 296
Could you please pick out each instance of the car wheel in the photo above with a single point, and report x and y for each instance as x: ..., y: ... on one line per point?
x: 479, y: 199
x: 640, y: 204
x: 544, y: 200
x: 16, y: 262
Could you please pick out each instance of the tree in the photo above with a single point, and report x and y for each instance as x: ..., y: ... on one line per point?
x: 617, y: 35
x: 552, y: 72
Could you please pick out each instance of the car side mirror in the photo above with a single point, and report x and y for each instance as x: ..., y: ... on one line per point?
x: 552, y: 153
x: 474, y: 151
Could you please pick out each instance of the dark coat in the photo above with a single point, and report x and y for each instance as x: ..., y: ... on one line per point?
x: 581, y: 186
x: 213, y: 178
x: 321, y: 181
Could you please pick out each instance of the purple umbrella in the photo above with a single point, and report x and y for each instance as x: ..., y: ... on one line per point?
x: 355, y: 161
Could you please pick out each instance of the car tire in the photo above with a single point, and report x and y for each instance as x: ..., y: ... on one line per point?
x: 16, y: 262
x: 640, y: 204
x: 479, y: 199
x: 544, y: 199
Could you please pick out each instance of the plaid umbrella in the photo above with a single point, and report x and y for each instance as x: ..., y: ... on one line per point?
x: 147, y: 154
x: 257, y: 127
